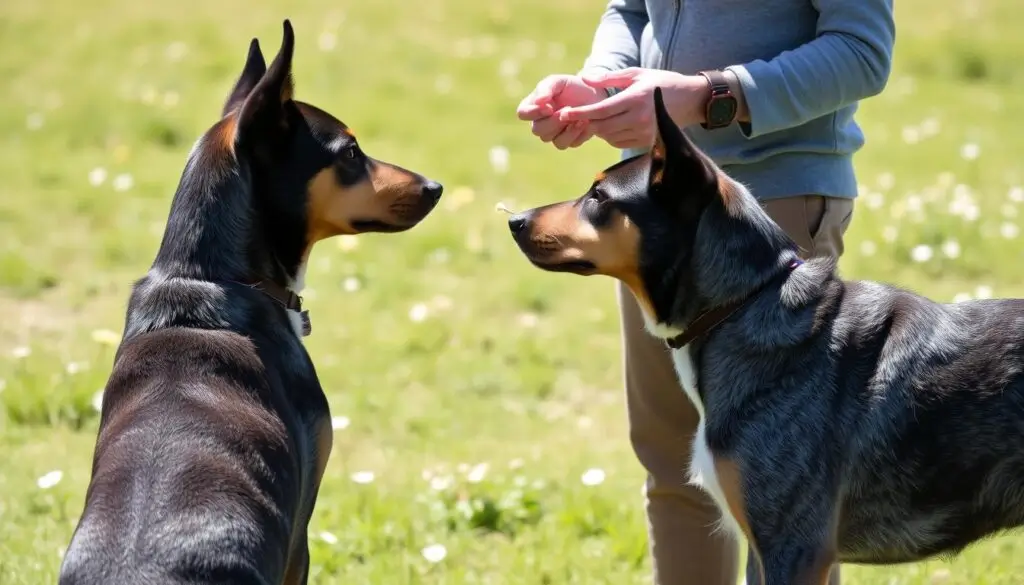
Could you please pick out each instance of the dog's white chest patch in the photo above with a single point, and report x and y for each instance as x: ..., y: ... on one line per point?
x: 295, y: 320
x: 702, y: 462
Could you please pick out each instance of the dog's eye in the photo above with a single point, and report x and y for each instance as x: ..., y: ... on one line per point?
x: 350, y: 152
x: 598, y: 196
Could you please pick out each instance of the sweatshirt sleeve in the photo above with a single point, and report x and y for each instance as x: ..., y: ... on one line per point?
x: 617, y: 39
x: 850, y: 59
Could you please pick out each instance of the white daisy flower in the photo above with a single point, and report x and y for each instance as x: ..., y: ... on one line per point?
x: 477, y: 474
x: 434, y: 553
x: 970, y: 151
x: 50, y: 479
x: 1009, y: 230
x: 592, y: 477
x: 441, y: 482
x: 363, y: 477
x: 122, y: 182
x: 418, y: 312
x: 499, y: 158
x: 97, y: 176
x: 921, y: 253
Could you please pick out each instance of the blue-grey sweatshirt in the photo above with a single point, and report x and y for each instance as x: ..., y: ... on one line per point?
x: 803, y: 66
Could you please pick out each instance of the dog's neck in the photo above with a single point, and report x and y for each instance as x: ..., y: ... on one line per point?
x: 715, y: 275
x: 214, y: 225
x: 678, y: 334
x: 708, y: 320
x: 285, y: 290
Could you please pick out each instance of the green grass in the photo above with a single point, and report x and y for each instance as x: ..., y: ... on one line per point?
x: 511, y: 367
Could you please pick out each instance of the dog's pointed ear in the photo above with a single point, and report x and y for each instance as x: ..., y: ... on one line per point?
x: 252, y: 73
x: 263, y: 114
x: 676, y: 163
x: 669, y: 138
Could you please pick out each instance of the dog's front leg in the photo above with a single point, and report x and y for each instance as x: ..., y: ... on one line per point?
x: 794, y: 543
x: 795, y: 563
x: 754, y: 571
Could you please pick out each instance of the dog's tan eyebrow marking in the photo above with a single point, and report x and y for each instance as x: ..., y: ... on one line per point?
x: 336, y: 144
x: 600, y: 176
x: 342, y: 139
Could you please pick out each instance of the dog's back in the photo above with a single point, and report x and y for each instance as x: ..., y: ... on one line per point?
x: 934, y: 429
x: 194, y: 490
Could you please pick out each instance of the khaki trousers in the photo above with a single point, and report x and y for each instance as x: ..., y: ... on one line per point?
x: 662, y: 421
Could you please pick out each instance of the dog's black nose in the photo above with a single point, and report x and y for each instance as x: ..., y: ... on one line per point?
x: 433, y: 189
x: 517, y: 222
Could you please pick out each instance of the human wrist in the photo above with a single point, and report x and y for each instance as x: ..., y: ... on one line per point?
x: 685, y: 99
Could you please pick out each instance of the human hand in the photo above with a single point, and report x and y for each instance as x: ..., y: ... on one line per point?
x: 626, y: 120
x: 553, y: 93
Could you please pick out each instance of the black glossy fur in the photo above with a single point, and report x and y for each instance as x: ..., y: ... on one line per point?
x: 863, y: 423
x: 215, y: 430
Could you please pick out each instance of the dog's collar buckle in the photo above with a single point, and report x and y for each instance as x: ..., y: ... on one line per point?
x: 287, y: 299
x: 708, y: 320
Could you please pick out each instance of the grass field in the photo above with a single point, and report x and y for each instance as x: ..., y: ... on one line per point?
x: 480, y: 416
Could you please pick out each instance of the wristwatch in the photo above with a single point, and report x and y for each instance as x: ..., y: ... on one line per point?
x: 721, y: 107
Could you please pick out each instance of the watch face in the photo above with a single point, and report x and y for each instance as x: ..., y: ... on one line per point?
x: 721, y: 111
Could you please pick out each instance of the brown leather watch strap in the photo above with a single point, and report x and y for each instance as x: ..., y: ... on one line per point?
x: 716, y: 79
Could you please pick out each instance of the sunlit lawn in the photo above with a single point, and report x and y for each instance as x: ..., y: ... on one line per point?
x: 481, y: 431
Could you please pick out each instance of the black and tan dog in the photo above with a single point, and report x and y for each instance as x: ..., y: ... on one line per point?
x: 840, y: 421
x: 215, y: 431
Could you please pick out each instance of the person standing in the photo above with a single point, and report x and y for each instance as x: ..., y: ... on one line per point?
x: 768, y: 89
